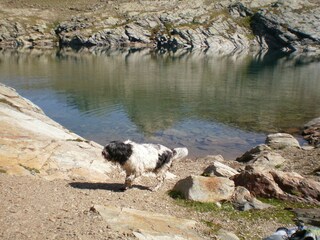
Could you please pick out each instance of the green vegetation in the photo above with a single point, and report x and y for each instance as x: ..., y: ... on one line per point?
x: 78, y: 140
x: 215, y: 14
x: 2, y: 170
x: 280, y: 212
x: 169, y: 26
x: 278, y: 166
x: 31, y: 170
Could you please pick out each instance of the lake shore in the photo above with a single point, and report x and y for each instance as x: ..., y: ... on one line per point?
x: 79, y: 178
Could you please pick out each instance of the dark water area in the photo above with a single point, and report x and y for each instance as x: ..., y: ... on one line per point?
x: 212, y: 104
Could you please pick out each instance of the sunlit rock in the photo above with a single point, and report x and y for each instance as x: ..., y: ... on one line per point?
x: 205, y: 189
x: 281, y: 141
x: 33, y: 144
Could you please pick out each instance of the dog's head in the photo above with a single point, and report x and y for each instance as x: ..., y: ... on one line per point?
x: 117, y: 151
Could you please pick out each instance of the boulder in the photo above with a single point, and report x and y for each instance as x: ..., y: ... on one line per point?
x: 259, y: 183
x: 220, y: 170
x: 281, y: 141
x: 243, y: 200
x: 278, y: 184
x: 262, y: 156
x: 311, y: 132
x: 147, y: 225
x: 250, y: 155
x: 205, y: 189
x: 296, y: 185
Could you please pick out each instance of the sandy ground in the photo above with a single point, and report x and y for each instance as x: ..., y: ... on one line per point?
x: 32, y: 208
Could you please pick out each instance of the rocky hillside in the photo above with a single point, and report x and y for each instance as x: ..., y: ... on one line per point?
x: 225, y: 25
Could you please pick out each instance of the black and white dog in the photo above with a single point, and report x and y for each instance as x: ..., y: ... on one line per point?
x: 137, y: 159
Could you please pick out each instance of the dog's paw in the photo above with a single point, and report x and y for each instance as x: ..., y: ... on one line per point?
x: 123, y: 189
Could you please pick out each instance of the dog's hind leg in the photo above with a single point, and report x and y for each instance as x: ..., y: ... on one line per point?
x: 161, y: 176
x: 129, y: 180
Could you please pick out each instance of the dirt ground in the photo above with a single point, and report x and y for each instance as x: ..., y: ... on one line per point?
x: 32, y: 208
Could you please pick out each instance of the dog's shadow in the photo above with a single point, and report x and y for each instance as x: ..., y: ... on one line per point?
x: 114, y: 187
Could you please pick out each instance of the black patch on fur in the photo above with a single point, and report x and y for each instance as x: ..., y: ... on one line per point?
x: 163, y: 159
x: 119, y: 152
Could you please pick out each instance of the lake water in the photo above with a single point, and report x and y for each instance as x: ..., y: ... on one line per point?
x: 212, y: 104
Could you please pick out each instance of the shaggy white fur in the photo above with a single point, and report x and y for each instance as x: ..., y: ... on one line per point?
x: 137, y: 159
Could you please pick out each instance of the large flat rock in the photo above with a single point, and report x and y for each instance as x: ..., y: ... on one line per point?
x: 147, y: 225
x: 33, y: 144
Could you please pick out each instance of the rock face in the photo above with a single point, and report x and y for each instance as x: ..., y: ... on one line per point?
x: 33, y: 144
x: 146, y: 225
x: 217, y: 25
x: 163, y: 29
x: 284, y: 25
x: 205, y: 189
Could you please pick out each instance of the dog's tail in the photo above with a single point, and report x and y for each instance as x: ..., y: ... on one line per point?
x: 179, y: 153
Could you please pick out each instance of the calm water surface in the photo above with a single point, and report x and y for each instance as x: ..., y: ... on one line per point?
x: 212, y: 104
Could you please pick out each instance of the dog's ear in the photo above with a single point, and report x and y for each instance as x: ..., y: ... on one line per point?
x: 174, y: 152
x: 119, y: 152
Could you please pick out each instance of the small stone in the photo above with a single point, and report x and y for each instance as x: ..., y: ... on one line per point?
x: 220, y: 170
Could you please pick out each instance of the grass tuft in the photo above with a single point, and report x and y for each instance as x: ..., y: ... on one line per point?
x: 31, y: 170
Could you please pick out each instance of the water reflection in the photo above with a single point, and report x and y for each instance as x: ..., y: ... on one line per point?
x: 210, y: 103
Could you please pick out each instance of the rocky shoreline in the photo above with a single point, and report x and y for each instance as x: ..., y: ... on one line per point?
x: 220, y: 26
x: 33, y: 145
